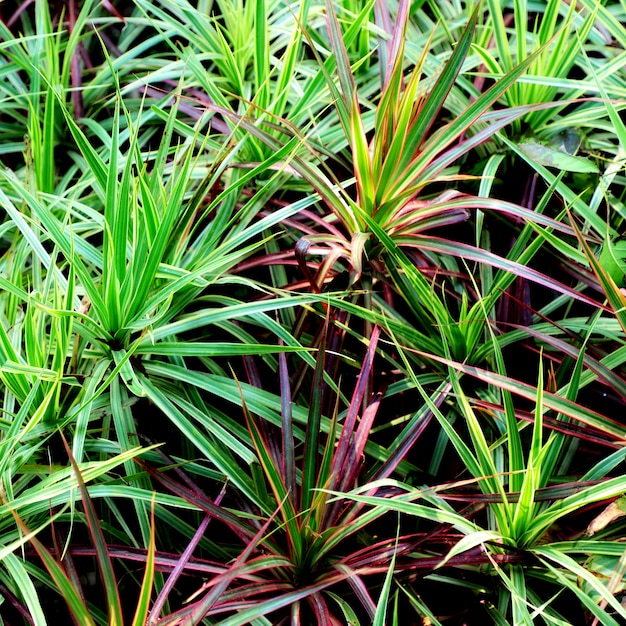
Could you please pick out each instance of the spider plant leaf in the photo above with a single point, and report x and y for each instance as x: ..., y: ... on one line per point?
x: 562, y: 566
x: 261, y: 55
x: 553, y: 157
x: 220, y: 456
x: 420, y: 420
x: 15, y: 568
x: 525, y: 506
x: 215, y: 349
x: 414, y: 284
x: 405, y: 504
x: 488, y: 475
x: 122, y: 359
x: 289, y: 63
x: 74, y: 248
x: 499, y: 29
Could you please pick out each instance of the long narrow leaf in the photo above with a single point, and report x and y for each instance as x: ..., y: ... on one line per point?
x: 103, y: 558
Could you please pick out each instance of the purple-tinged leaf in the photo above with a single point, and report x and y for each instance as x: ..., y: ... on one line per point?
x: 273, y: 476
x: 243, y: 530
x: 471, y: 253
x: 278, y: 601
x: 603, y: 373
x: 360, y: 439
x: 359, y: 588
x: 219, y: 586
x: 17, y: 604
x: 346, y: 439
x: 346, y: 78
x: 311, y: 451
x: 550, y: 400
x: 103, y: 558
x: 286, y: 413
x: 560, y: 426
x: 382, y: 19
x: 410, y: 435
x: 395, y: 48
x: 320, y: 610
x: 164, y: 561
x: 181, y: 564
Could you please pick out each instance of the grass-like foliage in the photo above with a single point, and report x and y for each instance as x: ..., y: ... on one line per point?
x: 312, y: 312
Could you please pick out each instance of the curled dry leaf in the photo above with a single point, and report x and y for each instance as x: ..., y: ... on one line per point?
x: 614, y: 511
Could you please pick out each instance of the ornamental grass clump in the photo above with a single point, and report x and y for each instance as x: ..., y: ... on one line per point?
x: 312, y: 312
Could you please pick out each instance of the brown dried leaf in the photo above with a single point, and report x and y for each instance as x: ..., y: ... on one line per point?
x: 614, y: 511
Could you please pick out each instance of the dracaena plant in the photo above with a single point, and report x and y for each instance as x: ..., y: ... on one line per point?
x: 30, y: 507
x: 399, y: 155
x: 508, y: 38
x: 530, y: 506
x: 576, y: 136
x: 161, y: 249
x: 296, y: 553
x: 62, y: 571
x: 408, y: 149
x: 246, y: 59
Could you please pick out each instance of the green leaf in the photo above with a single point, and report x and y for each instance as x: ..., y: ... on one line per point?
x: 613, y: 259
x: 615, y: 297
x: 383, y: 600
x: 552, y: 157
x: 470, y: 541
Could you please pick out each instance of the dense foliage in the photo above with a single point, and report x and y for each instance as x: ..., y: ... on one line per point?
x: 312, y: 312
